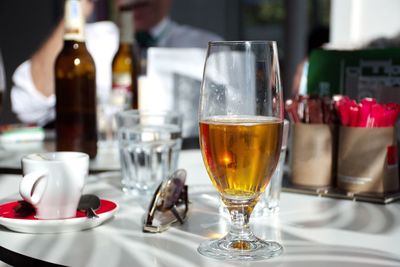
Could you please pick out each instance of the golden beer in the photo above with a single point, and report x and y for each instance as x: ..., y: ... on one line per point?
x: 240, y: 153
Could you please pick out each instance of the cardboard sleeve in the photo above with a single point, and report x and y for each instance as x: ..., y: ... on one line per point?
x: 313, y: 154
x: 367, y: 160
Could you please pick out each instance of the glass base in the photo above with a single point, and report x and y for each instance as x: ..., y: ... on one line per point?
x: 249, y: 250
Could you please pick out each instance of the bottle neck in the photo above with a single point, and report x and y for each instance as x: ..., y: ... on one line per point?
x: 74, y: 22
x: 127, y: 28
x: 125, y: 47
x: 73, y: 45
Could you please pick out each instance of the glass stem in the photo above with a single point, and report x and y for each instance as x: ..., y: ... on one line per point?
x: 240, y: 232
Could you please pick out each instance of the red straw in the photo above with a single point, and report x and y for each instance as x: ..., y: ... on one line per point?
x: 353, y: 114
x: 368, y: 113
x: 377, y: 116
x: 391, y: 113
x: 342, y: 104
x: 291, y: 109
x: 365, y: 111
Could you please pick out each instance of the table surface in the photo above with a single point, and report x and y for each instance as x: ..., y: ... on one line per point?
x: 107, y: 158
x: 314, y: 231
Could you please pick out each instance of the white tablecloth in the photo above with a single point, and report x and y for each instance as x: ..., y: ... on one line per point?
x: 314, y: 231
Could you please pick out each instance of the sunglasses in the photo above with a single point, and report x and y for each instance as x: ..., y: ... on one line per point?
x: 170, y: 204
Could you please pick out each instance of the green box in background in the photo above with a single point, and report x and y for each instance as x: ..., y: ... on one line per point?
x: 356, y: 73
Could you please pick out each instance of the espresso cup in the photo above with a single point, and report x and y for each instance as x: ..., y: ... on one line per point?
x: 53, y: 182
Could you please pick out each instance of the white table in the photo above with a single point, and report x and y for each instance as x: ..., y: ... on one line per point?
x: 107, y: 158
x: 314, y: 231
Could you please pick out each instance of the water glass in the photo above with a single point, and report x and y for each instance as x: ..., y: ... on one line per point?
x: 106, y: 111
x: 269, y: 201
x: 149, y: 146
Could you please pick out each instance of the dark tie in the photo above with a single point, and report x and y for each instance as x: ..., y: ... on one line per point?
x: 145, y: 40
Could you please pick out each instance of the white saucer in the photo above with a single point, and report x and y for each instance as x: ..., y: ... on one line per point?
x: 56, y: 226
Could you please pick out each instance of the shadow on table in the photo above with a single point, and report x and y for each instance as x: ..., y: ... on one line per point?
x: 126, y: 246
x: 208, y: 223
x: 356, y: 217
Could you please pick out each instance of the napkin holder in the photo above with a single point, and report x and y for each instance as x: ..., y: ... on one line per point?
x: 313, y: 155
x: 367, y: 160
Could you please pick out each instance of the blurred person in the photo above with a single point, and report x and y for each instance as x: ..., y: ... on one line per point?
x: 383, y: 42
x: 154, y: 27
x: 32, y: 95
x: 317, y: 38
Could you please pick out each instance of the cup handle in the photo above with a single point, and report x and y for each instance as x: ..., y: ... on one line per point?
x: 33, y: 186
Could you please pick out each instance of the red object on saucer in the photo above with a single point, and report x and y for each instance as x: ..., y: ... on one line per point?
x: 7, y: 210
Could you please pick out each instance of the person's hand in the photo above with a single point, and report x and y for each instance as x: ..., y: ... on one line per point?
x: 42, y: 68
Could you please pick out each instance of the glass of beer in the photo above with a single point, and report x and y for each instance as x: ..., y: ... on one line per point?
x: 241, y: 124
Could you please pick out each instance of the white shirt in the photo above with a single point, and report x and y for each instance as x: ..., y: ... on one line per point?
x: 33, y: 107
x: 102, y: 40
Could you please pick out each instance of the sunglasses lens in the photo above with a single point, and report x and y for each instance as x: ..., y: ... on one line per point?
x: 169, y: 204
x: 172, y: 189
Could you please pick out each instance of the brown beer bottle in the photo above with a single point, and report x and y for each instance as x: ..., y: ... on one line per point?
x: 125, y: 66
x: 75, y: 87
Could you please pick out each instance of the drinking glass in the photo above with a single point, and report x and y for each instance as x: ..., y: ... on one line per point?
x: 149, y: 146
x: 241, y: 123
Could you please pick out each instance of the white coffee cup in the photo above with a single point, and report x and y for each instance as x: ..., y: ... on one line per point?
x: 53, y: 182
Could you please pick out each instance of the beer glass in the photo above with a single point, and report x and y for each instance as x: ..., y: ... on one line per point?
x: 241, y: 124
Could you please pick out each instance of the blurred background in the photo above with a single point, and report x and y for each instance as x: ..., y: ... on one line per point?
x: 297, y: 25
